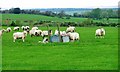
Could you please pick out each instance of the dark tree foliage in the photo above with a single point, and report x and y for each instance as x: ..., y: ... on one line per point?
x: 16, y: 10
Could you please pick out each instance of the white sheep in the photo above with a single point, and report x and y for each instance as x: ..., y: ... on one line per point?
x: 38, y: 32
x: 27, y: 27
x: 19, y: 35
x: 73, y: 36
x: 35, y: 32
x: 45, y: 40
x: 45, y: 33
x: 32, y: 33
x: 34, y: 28
x: 16, y: 28
x: 1, y: 32
x: 100, y: 33
x: 8, y: 29
x: 62, y: 33
x: 57, y: 33
x: 70, y: 29
x: 23, y: 27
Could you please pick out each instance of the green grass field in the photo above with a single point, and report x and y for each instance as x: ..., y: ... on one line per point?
x: 24, y: 17
x: 87, y: 54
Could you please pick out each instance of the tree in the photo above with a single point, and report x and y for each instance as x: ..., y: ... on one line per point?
x: 62, y: 14
x: 76, y: 15
x: 96, y: 13
x: 16, y: 10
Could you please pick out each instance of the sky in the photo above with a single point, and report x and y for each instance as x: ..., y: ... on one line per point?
x: 28, y: 4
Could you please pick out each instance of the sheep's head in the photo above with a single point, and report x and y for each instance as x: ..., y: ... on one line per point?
x: 3, y: 30
x: 25, y: 33
x: 40, y: 32
x: 50, y: 31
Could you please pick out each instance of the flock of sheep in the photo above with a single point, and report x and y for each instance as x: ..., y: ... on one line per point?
x: 35, y: 31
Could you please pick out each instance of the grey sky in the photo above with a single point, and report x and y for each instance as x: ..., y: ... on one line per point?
x: 6, y: 4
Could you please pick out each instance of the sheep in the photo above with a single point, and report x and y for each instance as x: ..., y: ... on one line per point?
x: 73, y: 36
x: 70, y: 29
x: 62, y: 33
x: 45, y: 40
x: 100, y: 33
x: 35, y: 32
x: 27, y: 27
x: 16, y: 28
x: 45, y: 33
x: 8, y: 29
x: 57, y: 33
x: 1, y: 32
x: 34, y: 28
x: 19, y: 35
x: 23, y: 27
x: 38, y: 32
x: 32, y: 33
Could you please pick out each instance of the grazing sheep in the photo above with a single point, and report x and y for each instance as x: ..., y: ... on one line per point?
x: 23, y: 27
x: 8, y: 29
x: 62, y: 33
x: 27, y: 27
x: 57, y: 33
x: 35, y: 32
x: 45, y: 40
x: 16, y: 28
x: 73, y: 36
x: 45, y: 33
x: 34, y: 28
x: 38, y: 32
x: 1, y: 32
x: 100, y: 33
x: 70, y: 29
x: 19, y: 35
x: 32, y: 33
x: 4, y: 30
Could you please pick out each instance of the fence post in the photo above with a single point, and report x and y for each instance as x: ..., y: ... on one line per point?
x: 48, y: 33
x: 58, y: 26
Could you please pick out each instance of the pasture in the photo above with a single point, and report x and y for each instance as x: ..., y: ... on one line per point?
x: 37, y: 18
x: 87, y: 54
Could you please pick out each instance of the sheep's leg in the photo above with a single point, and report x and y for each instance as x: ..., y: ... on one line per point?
x: 14, y: 39
x: 23, y: 40
x: 31, y: 35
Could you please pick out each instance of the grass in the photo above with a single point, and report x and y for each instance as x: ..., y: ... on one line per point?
x: 87, y: 54
x: 23, y: 17
x: 35, y: 18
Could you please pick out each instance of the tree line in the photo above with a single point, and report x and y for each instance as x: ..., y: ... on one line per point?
x: 96, y: 13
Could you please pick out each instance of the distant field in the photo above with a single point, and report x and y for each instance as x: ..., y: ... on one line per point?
x: 87, y: 54
x: 38, y: 18
x: 24, y: 17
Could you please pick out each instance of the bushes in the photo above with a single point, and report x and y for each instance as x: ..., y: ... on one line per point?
x: 85, y: 23
x: 13, y: 24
